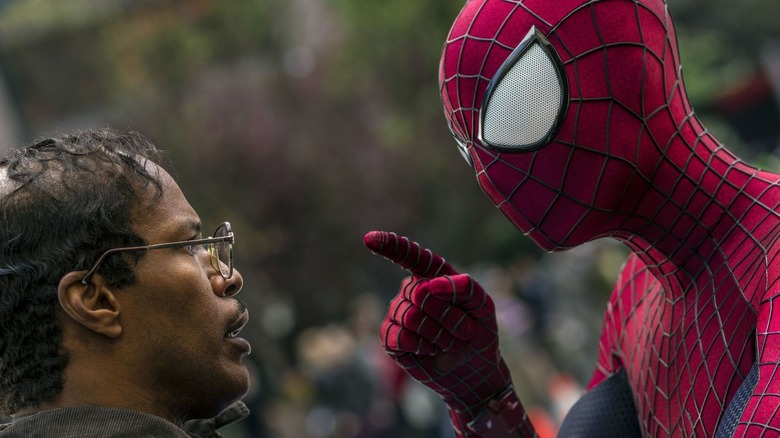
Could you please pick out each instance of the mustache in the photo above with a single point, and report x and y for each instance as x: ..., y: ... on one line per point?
x: 242, y: 306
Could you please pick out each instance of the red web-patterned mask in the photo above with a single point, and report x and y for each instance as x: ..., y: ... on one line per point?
x: 564, y: 108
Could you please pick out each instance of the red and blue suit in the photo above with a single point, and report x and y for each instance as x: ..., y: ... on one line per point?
x: 574, y: 117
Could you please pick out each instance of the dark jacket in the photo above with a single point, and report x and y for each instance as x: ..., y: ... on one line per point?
x: 104, y: 422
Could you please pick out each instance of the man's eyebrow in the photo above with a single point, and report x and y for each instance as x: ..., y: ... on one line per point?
x: 190, y: 228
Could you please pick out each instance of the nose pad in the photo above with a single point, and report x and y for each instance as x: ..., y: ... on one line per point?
x: 214, y: 258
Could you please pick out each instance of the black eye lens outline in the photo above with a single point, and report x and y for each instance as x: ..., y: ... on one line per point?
x: 534, y: 37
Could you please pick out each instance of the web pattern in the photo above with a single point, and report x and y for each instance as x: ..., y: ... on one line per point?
x: 693, y: 308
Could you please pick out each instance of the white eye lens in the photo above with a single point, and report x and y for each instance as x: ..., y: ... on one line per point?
x: 526, y: 100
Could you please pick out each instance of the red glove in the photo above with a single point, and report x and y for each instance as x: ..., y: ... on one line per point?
x: 441, y: 327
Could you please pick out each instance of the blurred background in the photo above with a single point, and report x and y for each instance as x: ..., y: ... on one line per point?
x: 307, y: 123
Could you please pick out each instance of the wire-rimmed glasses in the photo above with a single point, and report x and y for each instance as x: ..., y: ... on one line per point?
x: 220, y: 248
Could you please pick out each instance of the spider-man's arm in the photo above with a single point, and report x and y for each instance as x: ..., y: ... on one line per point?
x: 441, y: 328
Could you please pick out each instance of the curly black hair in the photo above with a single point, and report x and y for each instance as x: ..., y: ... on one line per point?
x: 63, y: 202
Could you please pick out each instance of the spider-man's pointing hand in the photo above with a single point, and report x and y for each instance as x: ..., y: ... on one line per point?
x: 441, y: 328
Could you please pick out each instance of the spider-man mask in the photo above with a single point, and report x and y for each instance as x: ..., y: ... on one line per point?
x: 564, y: 109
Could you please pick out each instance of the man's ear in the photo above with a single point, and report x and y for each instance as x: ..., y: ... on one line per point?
x: 92, y: 305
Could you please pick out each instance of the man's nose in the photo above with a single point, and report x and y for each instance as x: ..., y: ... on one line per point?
x: 232, y: 286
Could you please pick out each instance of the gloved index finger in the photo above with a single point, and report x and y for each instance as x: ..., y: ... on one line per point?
x: 407, y: 254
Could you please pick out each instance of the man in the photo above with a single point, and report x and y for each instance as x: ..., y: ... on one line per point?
x: 574, y: 117
x: 117, y: 317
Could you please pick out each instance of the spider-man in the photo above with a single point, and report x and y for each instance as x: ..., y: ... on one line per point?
x: 575, y: 119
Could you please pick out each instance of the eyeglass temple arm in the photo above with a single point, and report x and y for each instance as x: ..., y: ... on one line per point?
x: 103, y: 256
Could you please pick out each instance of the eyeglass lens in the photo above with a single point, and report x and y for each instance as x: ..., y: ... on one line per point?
x: 221, y: 251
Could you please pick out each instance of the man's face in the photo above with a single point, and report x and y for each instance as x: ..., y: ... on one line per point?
x: 178, y: 315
